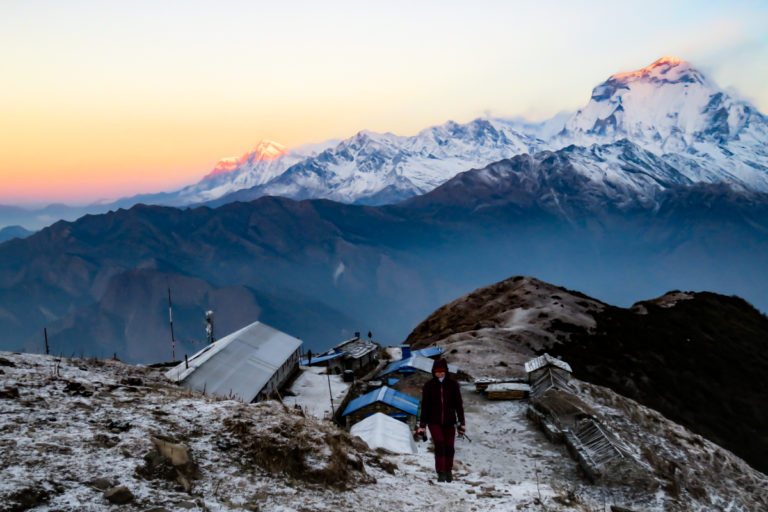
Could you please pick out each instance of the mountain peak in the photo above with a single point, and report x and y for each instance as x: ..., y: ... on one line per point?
x: 269, y: 150
x: 265, y: 150
x: 666, y: 69
x: 668, y: 59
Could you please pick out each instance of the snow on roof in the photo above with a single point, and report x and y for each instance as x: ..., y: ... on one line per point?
x: 356, y: 348
x: 387, y: 395
x: 546, y: 360
x: 382, y: 431
x: 238, y: 365
x: 508, y: 386
x: 415, y: 363
x: 429, y: 352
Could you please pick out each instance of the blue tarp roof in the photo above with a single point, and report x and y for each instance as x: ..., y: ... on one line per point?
x: 412, y: 364
x: 320, y: 359
x: 392, y: 381
x: 429, y: 352
x: 387, y: 395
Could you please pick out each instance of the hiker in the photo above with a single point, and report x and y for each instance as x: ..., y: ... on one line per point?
x: 441, y: 411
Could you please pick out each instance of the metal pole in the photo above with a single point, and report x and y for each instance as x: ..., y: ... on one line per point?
x: 45, y: 333
x: 170, y: 316
x: 329, y: 391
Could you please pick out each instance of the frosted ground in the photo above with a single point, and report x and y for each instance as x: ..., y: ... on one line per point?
x: 73, y: 427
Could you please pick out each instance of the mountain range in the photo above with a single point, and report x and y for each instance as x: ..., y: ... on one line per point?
x: 668, y: 109
x: 630, y: 196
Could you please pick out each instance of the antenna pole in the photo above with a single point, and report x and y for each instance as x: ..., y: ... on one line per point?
x: 45, y: 333
x: 209, y: 326
x: 170, y: 316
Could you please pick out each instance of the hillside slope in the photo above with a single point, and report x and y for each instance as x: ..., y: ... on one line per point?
x: 698, y: 358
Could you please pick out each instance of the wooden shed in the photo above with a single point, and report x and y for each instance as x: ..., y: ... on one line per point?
x: 547, y: 372
x: 508, y: 391
x: 352, y: 354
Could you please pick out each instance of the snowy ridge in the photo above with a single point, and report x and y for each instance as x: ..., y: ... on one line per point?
x: 374, y: 168
x: 688, y: 125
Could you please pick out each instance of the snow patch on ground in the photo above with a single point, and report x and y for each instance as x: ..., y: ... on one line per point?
x: 311, y: 391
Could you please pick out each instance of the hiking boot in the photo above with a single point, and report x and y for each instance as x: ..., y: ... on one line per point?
x: 448, y: 476
x: 441, y: 476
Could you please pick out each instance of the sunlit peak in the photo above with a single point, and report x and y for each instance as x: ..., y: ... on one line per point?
x: 269, y: 150
x: 667, y: 60
x: 225, y: 165
x: 264, y: 150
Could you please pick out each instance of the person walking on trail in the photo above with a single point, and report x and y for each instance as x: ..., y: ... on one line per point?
x: 441, y: 410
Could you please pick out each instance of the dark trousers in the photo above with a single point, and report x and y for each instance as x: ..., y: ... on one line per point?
x: 443, y: 437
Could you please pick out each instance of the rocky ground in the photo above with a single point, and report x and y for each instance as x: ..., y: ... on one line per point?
x: 84, y: 434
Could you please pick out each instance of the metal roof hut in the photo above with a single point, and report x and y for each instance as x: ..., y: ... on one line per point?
x: 412, y: 373
x: 352, y: 354
x: 414, y: 364
x: 385, y: 400
x: 430, y: 352
x: 247, y: 365
x: 508, y: 391
x: 547, y: 372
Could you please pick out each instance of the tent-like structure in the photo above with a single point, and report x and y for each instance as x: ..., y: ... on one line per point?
x: 382, y: 431
x: 245, y: 365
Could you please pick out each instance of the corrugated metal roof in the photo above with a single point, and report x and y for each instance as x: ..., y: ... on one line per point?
x: 321, y: 359
x: 546, y: 359
x: 238, y: 365
x: 429, y: 352
x: 356, y: 348
x: 421, y: 363
x: 387, y: 395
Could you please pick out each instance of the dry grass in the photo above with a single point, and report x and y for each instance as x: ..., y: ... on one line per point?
x: 283, y: 442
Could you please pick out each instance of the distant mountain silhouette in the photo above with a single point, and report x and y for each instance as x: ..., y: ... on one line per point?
x: 321, y: 270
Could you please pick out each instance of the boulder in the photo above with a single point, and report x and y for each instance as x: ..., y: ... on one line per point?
x: 119, y: 495
x: 177, y: 453
x: 9, y: 393
x: 101, y: 484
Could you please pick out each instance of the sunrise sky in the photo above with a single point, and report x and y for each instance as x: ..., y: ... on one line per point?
x: 102, y: 99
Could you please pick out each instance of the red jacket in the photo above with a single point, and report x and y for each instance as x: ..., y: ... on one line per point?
x: 441, y: 403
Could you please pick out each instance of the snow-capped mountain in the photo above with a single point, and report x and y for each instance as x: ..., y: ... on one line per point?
x: 673, y: 110
x: 375, y: 168
x: 620, y: 176
x: 265, y: 162
x: 668, y: 108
